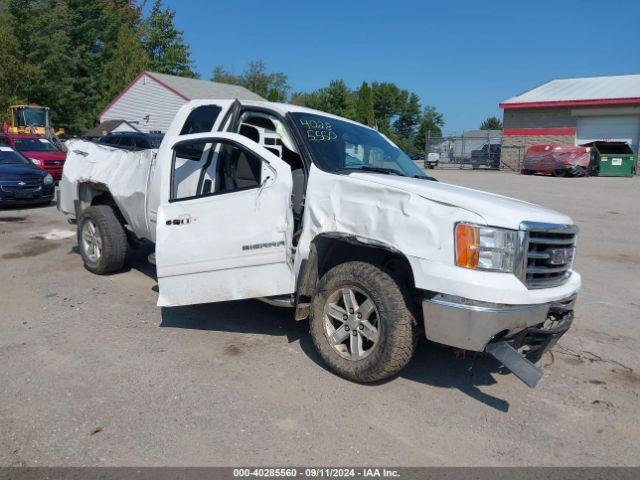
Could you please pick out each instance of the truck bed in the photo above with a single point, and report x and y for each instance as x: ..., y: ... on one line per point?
x: 124, y: 174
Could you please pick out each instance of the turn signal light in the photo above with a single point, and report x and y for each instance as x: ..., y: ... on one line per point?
x: 467, y: 242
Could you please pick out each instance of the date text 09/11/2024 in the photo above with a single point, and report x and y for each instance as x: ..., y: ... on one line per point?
x: 325, y: 472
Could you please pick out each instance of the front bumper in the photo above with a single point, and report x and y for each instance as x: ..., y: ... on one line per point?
x: 517, y: 336
x: 471, y: 325
x: 30, y: 196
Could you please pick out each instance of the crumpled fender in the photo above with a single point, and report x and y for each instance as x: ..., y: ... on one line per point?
x: 385, y: 215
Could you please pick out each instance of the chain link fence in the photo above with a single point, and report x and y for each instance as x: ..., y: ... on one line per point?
x: 471, y: 150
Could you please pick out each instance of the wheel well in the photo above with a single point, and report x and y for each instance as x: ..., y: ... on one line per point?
x: 90, y: 194
x: 328, y: 251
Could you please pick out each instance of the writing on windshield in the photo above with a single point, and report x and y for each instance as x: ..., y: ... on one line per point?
x: 339, y: 145
x: 318, y: 131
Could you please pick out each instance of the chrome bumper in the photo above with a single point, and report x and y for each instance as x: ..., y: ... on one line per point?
x: 471, y: 325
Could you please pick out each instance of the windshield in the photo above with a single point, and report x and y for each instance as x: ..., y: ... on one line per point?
x: 34, y: 145
x: 35, y: 117
x: 8, y: 156
x: 337, y: 145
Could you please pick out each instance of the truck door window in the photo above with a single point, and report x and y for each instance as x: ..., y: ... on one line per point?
x: 223, y: 167
x: 201, y: 119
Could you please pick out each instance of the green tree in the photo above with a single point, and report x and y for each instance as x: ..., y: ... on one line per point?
x: 386, y: 104
x: 408, y: 116
x: 364, y: 106
x: 42, y: 46
x: 11, y: 73
x: 165, y: 45
x: 93, y: 28
x: 129, y: 58
x: 222, y: 75
x: 272, y: 86
x: 336, y: 98
x: 430, y: 125
x: 491, y: 123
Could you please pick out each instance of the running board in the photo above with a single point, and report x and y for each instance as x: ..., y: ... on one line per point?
x: 519, y: 365
x: 284, y: 301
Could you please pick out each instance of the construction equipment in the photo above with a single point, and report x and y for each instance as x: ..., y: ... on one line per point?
x: 31, y: 119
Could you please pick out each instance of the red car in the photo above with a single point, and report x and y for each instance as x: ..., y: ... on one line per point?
x: 43, y: 153
x: 557, y: 160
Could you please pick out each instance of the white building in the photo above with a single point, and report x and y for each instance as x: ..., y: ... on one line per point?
x: 151, y: 100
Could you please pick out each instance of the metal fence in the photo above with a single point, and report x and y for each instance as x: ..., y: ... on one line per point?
x: 472, y: 150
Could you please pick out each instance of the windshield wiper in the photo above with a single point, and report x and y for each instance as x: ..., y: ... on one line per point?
x: 368, y: 168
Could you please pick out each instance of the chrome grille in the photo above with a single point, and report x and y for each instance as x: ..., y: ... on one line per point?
x: 549, y: 252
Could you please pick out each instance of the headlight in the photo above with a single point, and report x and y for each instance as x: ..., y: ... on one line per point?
x: 485, y: 248
x: 48, y: 180
x: 36, y: 162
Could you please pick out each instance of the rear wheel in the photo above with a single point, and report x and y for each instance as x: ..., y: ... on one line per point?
x: 102, y: 240
x: 361, y: 324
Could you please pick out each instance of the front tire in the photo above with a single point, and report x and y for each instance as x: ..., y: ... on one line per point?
x: 102, y: 240
x: 361, y: 324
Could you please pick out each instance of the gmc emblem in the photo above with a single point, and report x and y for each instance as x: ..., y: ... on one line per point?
x: 560, y: 256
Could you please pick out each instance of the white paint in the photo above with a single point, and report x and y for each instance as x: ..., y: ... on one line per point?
x: 204, y: 261
x: 417, y: 218
x: 622, y: 128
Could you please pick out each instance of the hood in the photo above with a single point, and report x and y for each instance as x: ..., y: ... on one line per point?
x: 44, y: 156
x: 497, y: 210
x: 17, y: 172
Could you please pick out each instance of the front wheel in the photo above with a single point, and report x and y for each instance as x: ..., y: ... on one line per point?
x: 361, y: 324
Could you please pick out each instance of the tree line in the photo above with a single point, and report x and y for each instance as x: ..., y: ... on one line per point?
x: 74, y: 56
x: 396, y: 112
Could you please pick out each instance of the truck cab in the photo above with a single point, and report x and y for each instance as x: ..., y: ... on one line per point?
x: 309, y: 210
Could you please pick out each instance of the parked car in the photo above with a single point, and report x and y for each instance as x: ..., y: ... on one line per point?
x: 41, y: 151
x: 558, y: 160
x: 21, y: 182
x: 488, y: 155
x: 367, y: 247
x: 132, y: 140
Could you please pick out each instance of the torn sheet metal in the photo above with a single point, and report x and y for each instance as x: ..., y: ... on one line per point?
x: 416, y: 217
x: 124, y: 173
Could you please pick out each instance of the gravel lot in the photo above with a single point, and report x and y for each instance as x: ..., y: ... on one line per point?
x: 93, y: 373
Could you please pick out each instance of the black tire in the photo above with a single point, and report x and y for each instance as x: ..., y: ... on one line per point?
x: 527, y: 172
x: 112, y: 236
x: 560, y: 172
x: 395, y: 322
x: 578, y: 171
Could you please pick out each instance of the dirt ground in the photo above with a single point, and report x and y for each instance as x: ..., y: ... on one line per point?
x: 93, y: 373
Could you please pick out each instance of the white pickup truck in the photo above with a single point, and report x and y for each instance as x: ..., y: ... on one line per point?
x: 305, y: 209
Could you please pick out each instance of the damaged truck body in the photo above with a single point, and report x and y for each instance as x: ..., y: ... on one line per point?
x: 309, y: 210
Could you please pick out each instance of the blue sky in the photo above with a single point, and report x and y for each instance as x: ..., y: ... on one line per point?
x: 463, y: 57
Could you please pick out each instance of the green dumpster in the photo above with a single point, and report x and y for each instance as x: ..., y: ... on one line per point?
x: 613, y: 159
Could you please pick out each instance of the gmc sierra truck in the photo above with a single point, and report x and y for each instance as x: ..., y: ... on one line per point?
x: 319, y: 213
